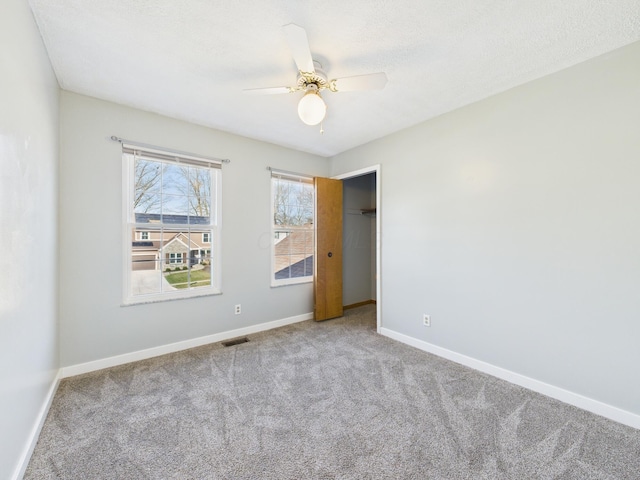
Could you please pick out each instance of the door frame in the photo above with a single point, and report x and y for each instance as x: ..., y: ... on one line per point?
x: 358, y: 173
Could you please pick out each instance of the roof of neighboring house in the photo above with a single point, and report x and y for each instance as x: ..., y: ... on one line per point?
x: 142, y: 245
x: 299, y: 269
x: 295, y: 250
x: 172, y: 219
x: 298, y: 241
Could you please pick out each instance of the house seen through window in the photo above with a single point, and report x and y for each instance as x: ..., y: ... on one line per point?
x: 292, y: 228
x: 173, y: 211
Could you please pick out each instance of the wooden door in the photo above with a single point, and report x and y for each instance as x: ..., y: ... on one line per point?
x: 327, y: 278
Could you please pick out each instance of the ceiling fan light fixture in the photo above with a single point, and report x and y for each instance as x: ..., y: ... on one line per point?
x: 311, y: 108
x: 312, y: 79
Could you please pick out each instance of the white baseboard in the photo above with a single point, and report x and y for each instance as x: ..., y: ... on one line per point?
x: 81, y: 368
x: 594, y: 406
x: 23, y: 463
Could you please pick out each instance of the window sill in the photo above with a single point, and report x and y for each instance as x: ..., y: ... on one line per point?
x: 290, y: 282
x: 146, y: 299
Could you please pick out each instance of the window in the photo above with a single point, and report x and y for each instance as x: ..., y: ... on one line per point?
x: 292, y: 200
x: 175, y: 258
x: 172, y: 225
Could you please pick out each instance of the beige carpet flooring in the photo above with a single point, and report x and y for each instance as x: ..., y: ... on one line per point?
x: 320, y: 401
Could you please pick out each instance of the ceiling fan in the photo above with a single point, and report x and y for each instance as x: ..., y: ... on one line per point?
x: 312, y: 79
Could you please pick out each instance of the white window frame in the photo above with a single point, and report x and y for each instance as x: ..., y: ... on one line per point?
x: 144, y: 234
x: 206, y: 237
x: 132, y: 151
x: 296, y: 280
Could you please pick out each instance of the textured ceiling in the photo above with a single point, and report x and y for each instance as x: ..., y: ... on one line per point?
x: 191, y: 59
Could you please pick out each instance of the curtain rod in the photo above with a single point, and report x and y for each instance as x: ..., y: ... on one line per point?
x: 287, y: 172
x: 168, y: 150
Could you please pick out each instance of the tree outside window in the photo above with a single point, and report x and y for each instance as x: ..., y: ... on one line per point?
x: 293, y: 233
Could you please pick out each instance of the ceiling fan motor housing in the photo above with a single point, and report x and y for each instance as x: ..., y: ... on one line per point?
x: 318, y: 78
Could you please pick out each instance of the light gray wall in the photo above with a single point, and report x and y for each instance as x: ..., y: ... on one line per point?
x: 514, y: 223
x: 357, y: 241
x: 28, y: 230
x: 94, y: 325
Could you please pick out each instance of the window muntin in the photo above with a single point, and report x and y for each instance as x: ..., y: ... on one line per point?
x: 172, y: 205
x: 292, y: 200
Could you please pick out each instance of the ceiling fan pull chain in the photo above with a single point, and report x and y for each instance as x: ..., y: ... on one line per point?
x: 321, y: 128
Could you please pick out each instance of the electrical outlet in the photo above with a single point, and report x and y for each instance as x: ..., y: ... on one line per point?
x: 426, y: 320
x: 238, y: 309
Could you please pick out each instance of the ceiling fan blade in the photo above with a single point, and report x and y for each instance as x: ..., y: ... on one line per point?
x: 269, y: 90
x: 299, y: 46
x: 371, y: 81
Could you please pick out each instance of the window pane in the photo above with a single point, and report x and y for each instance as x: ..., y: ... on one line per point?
x: 282, y: 267
x: 147, y: 186
x: 300, y: 242
x: 189, y: 277
x: 176, y: 207
x: 148, y: 263
x: 293, y: 203
x: 199, y: 247
x: 307, y: 214
x: 301, y: 266
x: 175, y: 180
x: 174, y: 248
x: 200, y: 259
x: 200, y: 192
x: 187, y: 264
x: 146, y: 276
